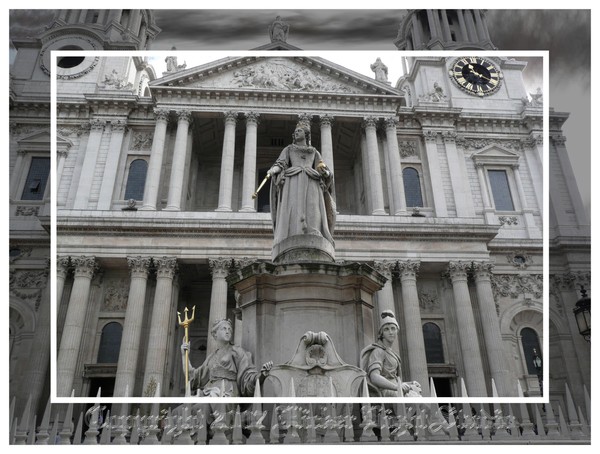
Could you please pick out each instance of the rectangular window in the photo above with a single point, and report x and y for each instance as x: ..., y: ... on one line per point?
x: 501, y: 190
x: 35, y: 185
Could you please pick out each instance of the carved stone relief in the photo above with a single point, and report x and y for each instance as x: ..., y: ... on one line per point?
x: 278, y: 75
x: 429, y: 300
x: 115, y: 296
x: 28, y: 285
x: 141, y: 141
x: 515, y: 285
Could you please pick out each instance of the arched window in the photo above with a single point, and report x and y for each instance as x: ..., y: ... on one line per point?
x: 434, y: 348
x: 110, y: 343
x: 136, y: 180
x: 412, y: 187
x: 530, y: 341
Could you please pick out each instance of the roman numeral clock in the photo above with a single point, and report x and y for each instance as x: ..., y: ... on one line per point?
x: 476, y: 76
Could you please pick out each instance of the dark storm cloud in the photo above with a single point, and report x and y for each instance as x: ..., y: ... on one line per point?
x: 565, y: 33
x: 24, y: 22
x: 309, y: 29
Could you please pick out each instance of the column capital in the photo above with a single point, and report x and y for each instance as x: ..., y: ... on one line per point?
x: 391, y: 123
x: 62, y: 266
x: 304, y: 119
x: 184, y: 115
x: 479, y: 165
x: 558, y: 139
x: 483, y: 270
x: 165, y: 266
x: 97, y: 124
x: 408, y: 268
x: 85, y: 266
x: 118, y: 125
x: 430, y: 135
x: 515, y: 166
x: 230, y: 116
x: 385, y: 267
x: 252, y: 118
x: 369, y: 122
x: 449, y: 136
x: 457, y: 270
x: 326, y: 120
x: 219, y: 267
x: 138, y: 266
x: 240, y: 263
x: 161, y: 114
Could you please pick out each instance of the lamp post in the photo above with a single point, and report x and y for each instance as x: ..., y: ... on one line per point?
x: 583, y: 315
x: 537, y: 363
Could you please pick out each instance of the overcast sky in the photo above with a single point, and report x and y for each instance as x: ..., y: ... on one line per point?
x: 565, y: 33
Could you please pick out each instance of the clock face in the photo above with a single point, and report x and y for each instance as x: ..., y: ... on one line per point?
x: 476, y: 75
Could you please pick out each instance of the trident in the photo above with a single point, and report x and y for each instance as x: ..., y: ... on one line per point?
x: 185, y: 323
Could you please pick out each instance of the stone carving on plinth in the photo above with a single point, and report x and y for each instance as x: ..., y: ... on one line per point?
x: 172, y: 65
x: 383, y: 366
x: 278, y: 30
x: 302, y: 206
x: 380, y: 70
x: 315, y: 370
x: 229, y: 371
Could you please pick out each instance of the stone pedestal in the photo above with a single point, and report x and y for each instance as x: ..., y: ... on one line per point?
x: 281, y: 302
x: 303, y: 248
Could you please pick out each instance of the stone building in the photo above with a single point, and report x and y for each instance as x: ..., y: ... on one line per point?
x: 438, y: 184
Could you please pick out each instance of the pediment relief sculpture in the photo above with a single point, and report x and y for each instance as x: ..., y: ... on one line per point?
x: 281, y: 75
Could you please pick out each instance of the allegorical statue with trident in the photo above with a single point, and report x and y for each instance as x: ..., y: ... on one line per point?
x: 226, y: 372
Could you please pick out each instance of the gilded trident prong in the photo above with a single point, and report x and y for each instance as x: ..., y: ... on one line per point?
x: 185, y: 323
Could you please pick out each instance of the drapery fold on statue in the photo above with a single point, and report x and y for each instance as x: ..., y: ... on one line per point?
x: 301, y: 199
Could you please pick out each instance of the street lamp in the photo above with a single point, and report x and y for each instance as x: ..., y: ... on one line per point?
x: 537, y: 363
x: 583, y: 315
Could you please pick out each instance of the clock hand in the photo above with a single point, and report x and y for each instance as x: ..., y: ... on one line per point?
x: 476, y: 73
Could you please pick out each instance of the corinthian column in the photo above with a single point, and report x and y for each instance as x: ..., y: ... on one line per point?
x: 88, y: 167
x: 111, y: 166
x: 156, y: 160
x: 218, y: 296
x: 461, y: 190
x: 491, y: 328
x: 166, y: 268
x: 385, y: 296
x: 132, y: 329
x: 68, y: 351
x: 399, y: 199
x: 249, y: 178
x: 62, y: 270
x: 226, y: 181
x: 417, y: 362
x: 467, y: 333
x: 376, y: 187
x: 184, y: 117
x: 326, y: 140
x: 433, y: 161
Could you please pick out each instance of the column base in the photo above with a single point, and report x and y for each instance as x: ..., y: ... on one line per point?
x: 247, y: 210
x: 380, y: 212
x: 224, y: 209
x: 147, y: 208
x: 171, y: 208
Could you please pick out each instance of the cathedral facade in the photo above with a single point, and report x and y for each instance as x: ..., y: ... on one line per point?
x: 438, y: 187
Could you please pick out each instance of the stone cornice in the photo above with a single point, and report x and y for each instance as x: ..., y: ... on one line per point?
x: 180, y: 79
x: 162, y: 224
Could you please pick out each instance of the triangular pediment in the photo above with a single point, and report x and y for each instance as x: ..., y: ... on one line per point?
x: 288, y: 74
x: 37, y: 137
x: 495, y: 154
